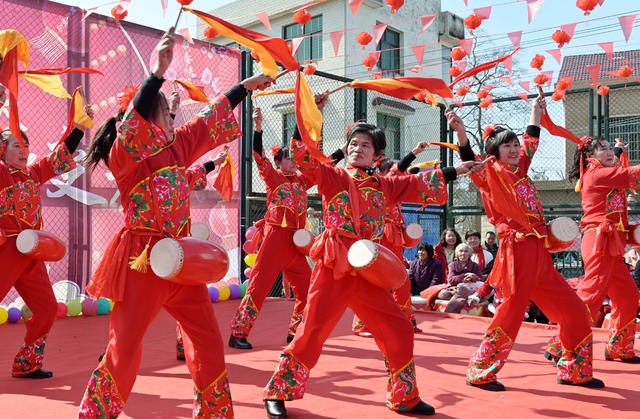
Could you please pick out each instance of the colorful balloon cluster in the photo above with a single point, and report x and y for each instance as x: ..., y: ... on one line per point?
x: 227, y: 290
x: 74, y: 307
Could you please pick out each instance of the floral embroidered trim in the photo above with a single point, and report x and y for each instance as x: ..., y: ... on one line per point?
x: 554, y: 347
x: 179, y: 341
x: 296, y: 319
x: 358, y: 325
x: 402, y: 390
x: 289, y: 381
x: 245, y: 317
x: 29, y: 358
x: 621, y: 342
x: 214, y: 401
x: 490, y: 357
x: 577, y: 365
x: 101, y: 398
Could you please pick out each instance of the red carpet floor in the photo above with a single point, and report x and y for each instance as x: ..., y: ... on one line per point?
x: 348, y: 382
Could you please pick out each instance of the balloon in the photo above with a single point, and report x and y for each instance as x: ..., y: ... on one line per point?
x: 214, y: 294
x: 26, y: 313
x: 62, y: 310
x: 234, y: 291
x: 74, y: 307
x: 233, y: 280
x: 247, y: 272
x: 4, y: 315
x: 251, y: 231
x: 14, y: 314
x: 89, y: 307
x: 250, y: 259
x: 243, y: 287
x: 249, y: 248
x: 224, y: 293
x: 103, y: 306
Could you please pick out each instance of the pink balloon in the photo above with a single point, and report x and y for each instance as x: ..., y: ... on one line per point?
x: 247, y: 272
x: 89, y: 307
x: 249, y: 248
x: 62, y: 310
x: 250, y: 232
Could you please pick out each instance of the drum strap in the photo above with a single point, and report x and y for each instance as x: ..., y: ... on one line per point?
x: 354, y: 201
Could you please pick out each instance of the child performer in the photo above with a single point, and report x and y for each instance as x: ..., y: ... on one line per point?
x: 605, y: 223
x: 517, y: 214
x: 148, y: 159
x: 392, y: 240
x: 20, y: 209
x: 349, y: 216
x: 287, y: 212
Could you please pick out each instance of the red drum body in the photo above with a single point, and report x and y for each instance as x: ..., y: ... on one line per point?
x: 377, y: 264
x: 40, y: 245
x: 563, y: 231
x: 188, y: 261
x: 200, y: 231
x: 633, y: 236
x: 303, y: 240
x: 412, y: 235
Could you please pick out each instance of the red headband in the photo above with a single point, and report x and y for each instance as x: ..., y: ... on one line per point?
x: 351, y: 125
x: 126, y: 97
x: 584, y: 143
x: 488, y: 130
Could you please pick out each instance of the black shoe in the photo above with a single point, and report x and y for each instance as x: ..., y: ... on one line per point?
x: 551, y: 357
x: 290, y: 338
x: 239, y: 343
x: 101, y: 355
x: 421, y: 408
x: 180, y: 357
x: 38, y: 374
x: 634, y: 360
x: 494, y: 386
x: 275, y: 409
x: 594, y: 383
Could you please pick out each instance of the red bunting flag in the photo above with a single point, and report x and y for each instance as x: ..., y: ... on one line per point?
x: 594, y: 72
x: 483, y: 12
x: 507, y: 79
x: 426, y: 22
x: 482, y: 67
x: 264, y: 18
x: 569, y: 28
x: 336, y: 37
x: 556, y: 53
x: 355, y: 5
x: 515, y: 38
x: 509, y: 64
x: 549, y: 75
x: 295, y: 43
x: 378, y: 31
x: 164, y: 4
x: 466, y: 45
x: 523, y: 96
x: 626, y: 24
x: 184, y: 32
x: 418, y: 51
x: 525, y: 85
x: 532, y: 7
x: 608, y: 49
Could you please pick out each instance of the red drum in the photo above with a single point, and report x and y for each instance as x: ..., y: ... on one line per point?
x: 40, y: 245
x: 633, y: 235
x: 200, y: 231
x: 303, y: 240
x: 411, y: 235
x: 563, y: 231
x: 377, y: 264
x: 188, y: 261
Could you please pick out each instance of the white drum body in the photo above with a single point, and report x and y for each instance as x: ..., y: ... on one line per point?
x: 412, y: 235
x: 303, y: 240
x: 40, y: 245
x: 377, y: 264
x: 563, y: 231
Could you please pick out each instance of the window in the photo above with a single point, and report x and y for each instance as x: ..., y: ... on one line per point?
x: 391, y: 127
x: 311, y: 46
x: 288, y: 126
x: 628, y: 130
x: 389, y: 61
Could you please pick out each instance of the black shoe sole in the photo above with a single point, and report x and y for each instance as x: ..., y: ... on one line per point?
x: 551, y: 357
x: 634, y: 360
x: 233, y: 344
x: 37, y: 375
x: 595, y: 383
x: 273, y: 415
x: 494, y: 386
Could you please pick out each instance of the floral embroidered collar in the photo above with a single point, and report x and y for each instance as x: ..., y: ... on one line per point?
x: 360, y: 173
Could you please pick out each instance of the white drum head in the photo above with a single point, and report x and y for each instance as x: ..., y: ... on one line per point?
x: 200, y: 231
x: 564, y: 229
x: 362, y: 253
x: 302, y: 237
x: 414, y: 231
x: 166, y: 258
x: 27, y: 241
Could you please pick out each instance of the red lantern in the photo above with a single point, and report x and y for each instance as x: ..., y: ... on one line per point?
x: 482, y: 93
x: 377, y: 75
x: 587, y: 5
x: 473, y: 22
x: 486, y: 102
x: 309, y: 69
x: 210, y: 33
x: 603, y: 90
x: 624, y: 72
x: 301, y: 17
x: 462, y: 90
x: 561, y: 37
x: 457, y: 54
x: 563, y: 84
x: 395, y: 5
x: 455, y: 71
x: 185, y: 2
x: 537, y: 62
x: 541, y: 79
x: 363, y: 38
x: 558, y: 94
x: 119, y: 12
x: 369, y: 61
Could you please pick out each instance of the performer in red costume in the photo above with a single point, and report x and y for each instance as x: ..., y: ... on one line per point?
x: 286, y: 212
x: 513, y: 205
x: 605, y: 223
x: 349, y: 216
x: 20, y: 209
x: 392, y: 240
x: 148, y: 159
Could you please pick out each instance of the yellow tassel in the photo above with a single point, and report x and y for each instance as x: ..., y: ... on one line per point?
x: 139, y: 263
x: 577, y: 188
x: 284, y: 221
x: 620, y: 225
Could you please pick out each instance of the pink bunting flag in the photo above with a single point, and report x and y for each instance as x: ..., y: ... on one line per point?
x: 426, y: 22
x: 378, y: 31
x: 355, y: 5
x: 164, y: 4
x: 458, y: 103
x: 466, y: 45
x: 484, y: 12
x: 509, y: 64
x: 550, y: 75
x: 523, y: 96
x: 556, y: 53
x: 515, y: 38
x: 626, y: 24
x: 594, y: 72
x: 376, y: 56
x: 600, y: 2
x: 466, y: 2
x: 295, y: 42
x: 507, y: 79
x: 184, y: 32
x: 336, y: 37
x: 532, y: 7
x: 569, y: 28
x: 418, y: 51
x: 524, y: 85
x: 462, y: 65
x: 608, y: 48
x: 264, y: 18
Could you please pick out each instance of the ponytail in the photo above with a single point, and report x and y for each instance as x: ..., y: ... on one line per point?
x: 102, y: 142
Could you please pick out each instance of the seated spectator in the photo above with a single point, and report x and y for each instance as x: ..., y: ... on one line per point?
x: 480, y: 256
x: 445, y: 250
x: 464, y: 279
x: 491, y: 243
x: 425, y: 271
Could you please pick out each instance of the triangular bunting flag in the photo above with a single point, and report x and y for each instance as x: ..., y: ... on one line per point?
x: 532, y: 7
x: 355, y: 5
x: 608, y: 48
x: 466, y: 45
x: 600, y: 2
x: 462, y: 65
x: 184, y: 32
x: 378, y: 31
x: 626, y: 24
x: 525, y: 85
x: 523, y: 96
x: 336, y: 37
x: 556, y: 53
x: 418, y: 51
x: 515, y: 38
x: 507, y: 79
x: 295, y: 43
x: 164, y: 3
x: 509, y: 64
x: 264, y: 18
x: 569, y: 28
x: 550, y: 75
x: 594, y: 72
x: 426, y: 22
x: 484, y: 12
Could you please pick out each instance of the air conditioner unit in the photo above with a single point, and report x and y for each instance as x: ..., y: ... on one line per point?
x: 375, y: 3
x: 450, y: 27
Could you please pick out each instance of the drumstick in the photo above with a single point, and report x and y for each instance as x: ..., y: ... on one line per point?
x: 337, y: 89
x: 175, y: 25
x: 280, y: 74
x: 446, y: 103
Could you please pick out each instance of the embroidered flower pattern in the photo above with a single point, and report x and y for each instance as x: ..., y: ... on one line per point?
x: 215, y: 401
x: 289, y: 382
x: 554, y: 347
x: 197, y: 178
x: 577, y: 366
x: 22, y: 200
x: 529, y: 195
x: 61, y: 160
x: 490, y: 357
x: 29, y: 358
x: 101, y: 398
x: 620, y: 345
x: 402, y: 392
x: 245, y: 317
x: 296, y: 319
x: 616, y: 201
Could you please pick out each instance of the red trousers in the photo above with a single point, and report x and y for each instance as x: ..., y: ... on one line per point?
x: 145, y: 294
x: 536, y: 280
x: 277, y: 254
x: 30, y: 279
x: 327, y: 301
